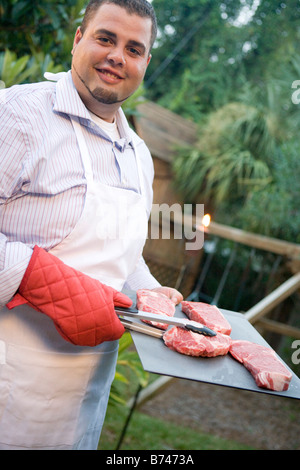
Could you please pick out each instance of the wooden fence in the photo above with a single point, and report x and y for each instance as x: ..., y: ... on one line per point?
x: 162, y: 131
x: 290, y: 251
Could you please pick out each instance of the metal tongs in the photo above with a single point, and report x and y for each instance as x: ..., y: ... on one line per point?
x: 175, y: 321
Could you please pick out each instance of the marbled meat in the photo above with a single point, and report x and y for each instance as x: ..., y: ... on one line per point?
x: 264, y: 365
x: 208, y: 315
x: 194, y: 344
x: 154, y: 302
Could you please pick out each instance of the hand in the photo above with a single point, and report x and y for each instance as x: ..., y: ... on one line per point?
x: 171, y: 293
x: 82, y: 308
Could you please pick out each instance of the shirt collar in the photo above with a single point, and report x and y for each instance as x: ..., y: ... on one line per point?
x: 68, y: 101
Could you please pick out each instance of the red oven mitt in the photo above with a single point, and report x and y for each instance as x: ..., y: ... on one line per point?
x: 82, y: 308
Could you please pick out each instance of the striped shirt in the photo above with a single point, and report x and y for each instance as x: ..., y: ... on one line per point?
x: 42, y: 186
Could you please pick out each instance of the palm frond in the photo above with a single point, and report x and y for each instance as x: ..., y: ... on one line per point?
x: 233, y: 153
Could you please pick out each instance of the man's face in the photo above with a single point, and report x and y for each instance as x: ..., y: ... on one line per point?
x: 111, y: 57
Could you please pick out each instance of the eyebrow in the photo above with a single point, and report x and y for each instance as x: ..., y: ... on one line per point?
x: 131, y: 42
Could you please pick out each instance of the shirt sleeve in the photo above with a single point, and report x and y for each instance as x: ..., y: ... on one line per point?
x: 14, y: 260
x: 141, y: 278
x: 14, y: 256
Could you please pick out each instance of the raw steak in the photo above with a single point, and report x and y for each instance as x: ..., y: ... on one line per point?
x: 264, y: 365
x: 150, y: 301
x: 208, y: 315
x: 194, y: 344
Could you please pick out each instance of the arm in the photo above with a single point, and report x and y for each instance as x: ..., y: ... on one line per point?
x: 14, y: 256
x: 14, y: 259
x: 82, y: 308
x: 142, y: 278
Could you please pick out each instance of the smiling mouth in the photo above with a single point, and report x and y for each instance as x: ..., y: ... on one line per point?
x: 110, y: 75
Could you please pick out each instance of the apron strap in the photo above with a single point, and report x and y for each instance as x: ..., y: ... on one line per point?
x: 87, y: 162
x: 140, y: 172
x: 83, y: 150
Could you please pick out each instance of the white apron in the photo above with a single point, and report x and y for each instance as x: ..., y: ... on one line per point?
x: 53, y: 395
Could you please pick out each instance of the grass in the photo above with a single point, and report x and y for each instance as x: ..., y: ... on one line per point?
x: 147, y: 433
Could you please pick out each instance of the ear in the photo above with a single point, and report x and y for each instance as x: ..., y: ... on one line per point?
x: 148, y: 60
x: 77, y: 38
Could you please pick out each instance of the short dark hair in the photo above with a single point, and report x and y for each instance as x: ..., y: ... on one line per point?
x: 139, y: 7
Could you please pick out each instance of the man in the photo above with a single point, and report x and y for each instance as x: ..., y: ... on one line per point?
x: 75, y: 196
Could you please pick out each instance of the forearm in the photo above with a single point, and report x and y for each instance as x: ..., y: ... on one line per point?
x: 14, y: 255
x: 141, y: 278
x: 82, y: 308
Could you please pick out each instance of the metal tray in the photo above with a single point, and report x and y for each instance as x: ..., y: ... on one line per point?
x: 223, y: 370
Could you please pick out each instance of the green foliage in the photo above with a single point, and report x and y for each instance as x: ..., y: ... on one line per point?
x: 274, y: 211
x: 229, y: 158
x: 36, y: 37
x: 128, y: 364
x: 48, y: 26
x: 201, y: 64
x: 235, y: 82
x: 222, y: 56
x: 246, y: 168
x: 130, y: 105
x: 15, y: 70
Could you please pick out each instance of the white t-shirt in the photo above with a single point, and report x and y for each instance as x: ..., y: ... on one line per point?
x: 110, y: 128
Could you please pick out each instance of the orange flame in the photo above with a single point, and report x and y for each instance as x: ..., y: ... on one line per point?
x: 206, y: 220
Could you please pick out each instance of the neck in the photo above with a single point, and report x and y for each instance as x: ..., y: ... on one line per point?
x: 103, y: 111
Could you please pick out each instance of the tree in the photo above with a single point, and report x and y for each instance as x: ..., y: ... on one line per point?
x: 39, y: 34
x: 274, y: 209
x: 223, y: 56
x: 197, y: 43
x: 235, y: 80
x: 232, y: 156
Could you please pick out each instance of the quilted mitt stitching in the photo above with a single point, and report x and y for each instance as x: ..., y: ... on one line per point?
x: 81, y: 307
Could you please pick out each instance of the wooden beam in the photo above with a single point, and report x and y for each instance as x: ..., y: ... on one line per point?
x: 277, y: 327
x: 272, y: 300
x: 261, y: 242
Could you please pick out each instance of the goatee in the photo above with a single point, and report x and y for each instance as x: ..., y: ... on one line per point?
x: 104, y: 96
x: 100, y: 94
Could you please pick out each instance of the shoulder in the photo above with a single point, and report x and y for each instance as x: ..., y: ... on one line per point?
x: 28, y: 96
x: 28, y: 109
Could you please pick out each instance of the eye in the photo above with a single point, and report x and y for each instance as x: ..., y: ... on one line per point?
x: 104, y: 40
x: 133, y: 51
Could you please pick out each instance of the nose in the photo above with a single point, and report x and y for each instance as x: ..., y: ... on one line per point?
x: 116, y: 56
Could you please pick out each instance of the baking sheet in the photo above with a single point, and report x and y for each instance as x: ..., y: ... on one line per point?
x: 222, y: 370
